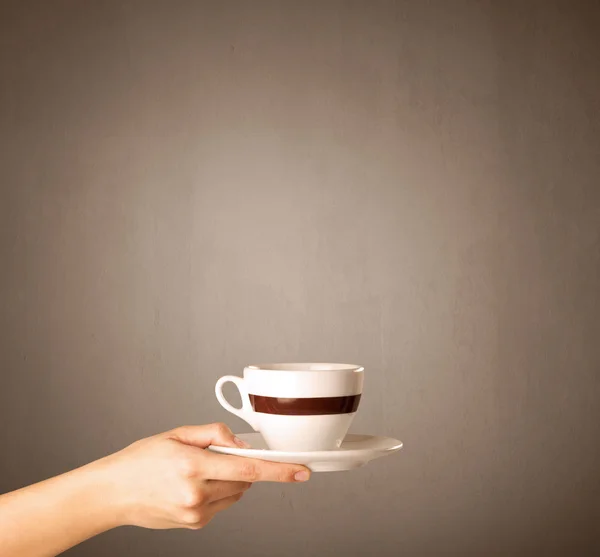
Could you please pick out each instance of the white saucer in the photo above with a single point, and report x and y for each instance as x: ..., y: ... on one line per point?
x: 356, y: 451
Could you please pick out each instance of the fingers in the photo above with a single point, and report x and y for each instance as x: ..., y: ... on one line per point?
x: 204, y: 435
x: 235, y: 468
x: 216, y: 490
x: 202, y: 519
x: 223, y: 504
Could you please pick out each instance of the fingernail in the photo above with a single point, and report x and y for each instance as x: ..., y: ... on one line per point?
x: 301, y: 476
x: 241, y: 443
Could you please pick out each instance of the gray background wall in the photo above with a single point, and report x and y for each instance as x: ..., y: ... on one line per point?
x: 188, y: 187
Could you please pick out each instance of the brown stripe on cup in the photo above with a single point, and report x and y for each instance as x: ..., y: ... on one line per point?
x: 305, y: 406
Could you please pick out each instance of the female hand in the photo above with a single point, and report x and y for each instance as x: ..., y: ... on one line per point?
x: 165, y: 481
x: 170, y: 481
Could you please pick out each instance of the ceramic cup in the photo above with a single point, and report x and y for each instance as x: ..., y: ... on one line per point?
x: 295, y: 406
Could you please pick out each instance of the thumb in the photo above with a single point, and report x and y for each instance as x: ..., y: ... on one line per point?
x: 204, y: 435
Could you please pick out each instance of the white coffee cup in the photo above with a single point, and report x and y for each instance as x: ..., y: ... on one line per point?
x: 297, y: 406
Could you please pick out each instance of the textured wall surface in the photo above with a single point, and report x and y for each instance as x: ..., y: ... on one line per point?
x: 188, y: 187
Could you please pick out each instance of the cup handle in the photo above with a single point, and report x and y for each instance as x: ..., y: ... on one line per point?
x: 246, y: 411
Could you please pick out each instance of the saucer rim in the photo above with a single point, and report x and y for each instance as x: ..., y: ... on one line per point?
x: 395, y: 445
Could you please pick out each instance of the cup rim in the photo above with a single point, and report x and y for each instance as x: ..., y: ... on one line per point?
x: 296, y: 367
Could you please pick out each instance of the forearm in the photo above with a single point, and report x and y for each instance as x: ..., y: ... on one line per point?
x: 47, y: 518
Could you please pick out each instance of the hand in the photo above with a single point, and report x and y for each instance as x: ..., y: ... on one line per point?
x: 170, y: 481
x: 165, y: 481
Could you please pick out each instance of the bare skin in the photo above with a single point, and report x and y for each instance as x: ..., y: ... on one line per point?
x: 164, y: 481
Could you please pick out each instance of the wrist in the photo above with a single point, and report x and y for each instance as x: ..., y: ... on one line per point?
x: 101, y: 494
